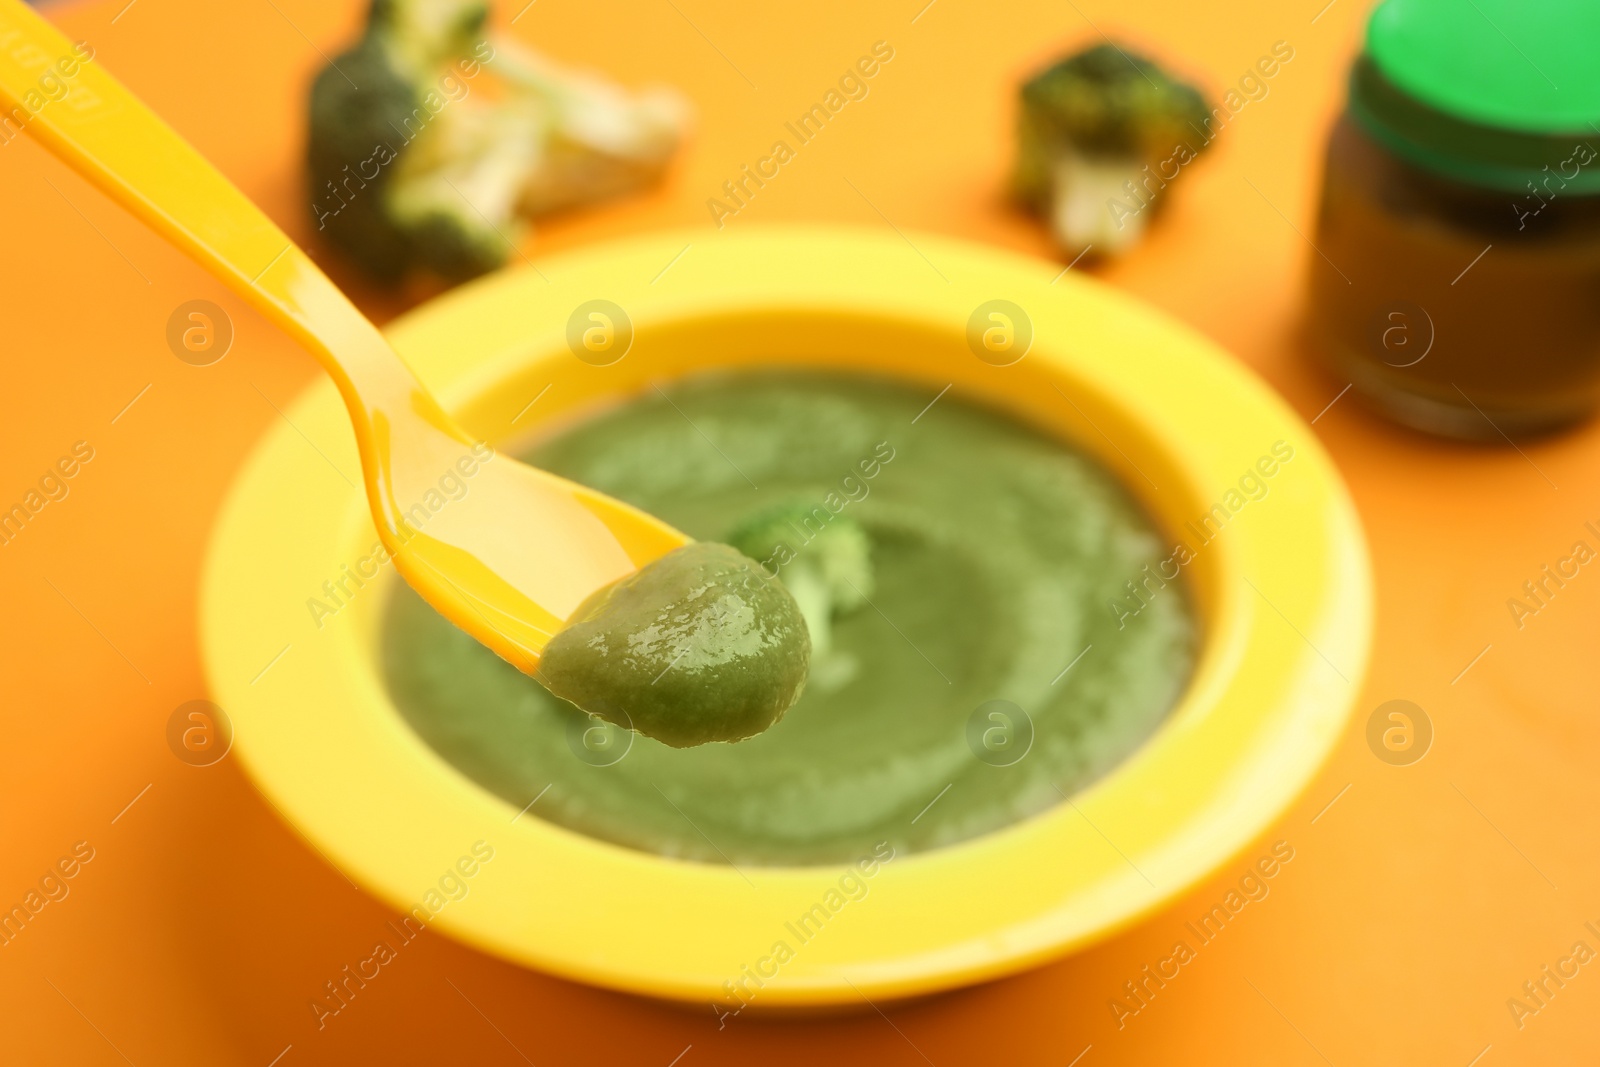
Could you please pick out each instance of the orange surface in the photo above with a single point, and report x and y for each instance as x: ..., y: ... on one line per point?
x: 1415, y: 905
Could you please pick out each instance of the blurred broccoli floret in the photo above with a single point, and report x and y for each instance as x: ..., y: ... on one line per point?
x: 431, y: 142
x: 826, y: 568
x: 1101, y: 133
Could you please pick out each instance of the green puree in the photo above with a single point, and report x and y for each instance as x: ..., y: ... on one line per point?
x: 992, y: 556
x: 702, y: 645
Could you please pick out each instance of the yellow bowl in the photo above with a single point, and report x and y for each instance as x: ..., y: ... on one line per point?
x: 1281, y: 586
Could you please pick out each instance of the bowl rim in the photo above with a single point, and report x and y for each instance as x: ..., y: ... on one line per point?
x: 1269, y: 698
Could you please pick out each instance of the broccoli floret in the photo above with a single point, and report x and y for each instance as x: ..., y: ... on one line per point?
x: 1100, y: 135
x: 432, y: 142
x: 826, y: 568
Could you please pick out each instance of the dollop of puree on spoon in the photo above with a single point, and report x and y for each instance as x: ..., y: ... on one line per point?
x: 701, y: 645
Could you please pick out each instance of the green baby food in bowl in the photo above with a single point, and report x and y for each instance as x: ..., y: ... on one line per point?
x: 942, y: 708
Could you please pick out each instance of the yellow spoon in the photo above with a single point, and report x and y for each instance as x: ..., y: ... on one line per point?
x: 510, y: 561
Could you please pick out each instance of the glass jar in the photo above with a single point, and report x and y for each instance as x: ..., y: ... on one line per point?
x: 1456, y: 280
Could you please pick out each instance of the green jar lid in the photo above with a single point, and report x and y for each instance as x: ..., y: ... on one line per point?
x: 1528, y: 65
x: 1486, y: 91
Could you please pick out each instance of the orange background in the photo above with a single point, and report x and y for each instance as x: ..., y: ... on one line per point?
x: 1414, y: 907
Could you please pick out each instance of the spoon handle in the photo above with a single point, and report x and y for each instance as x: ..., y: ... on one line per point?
x: 58, y: 92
